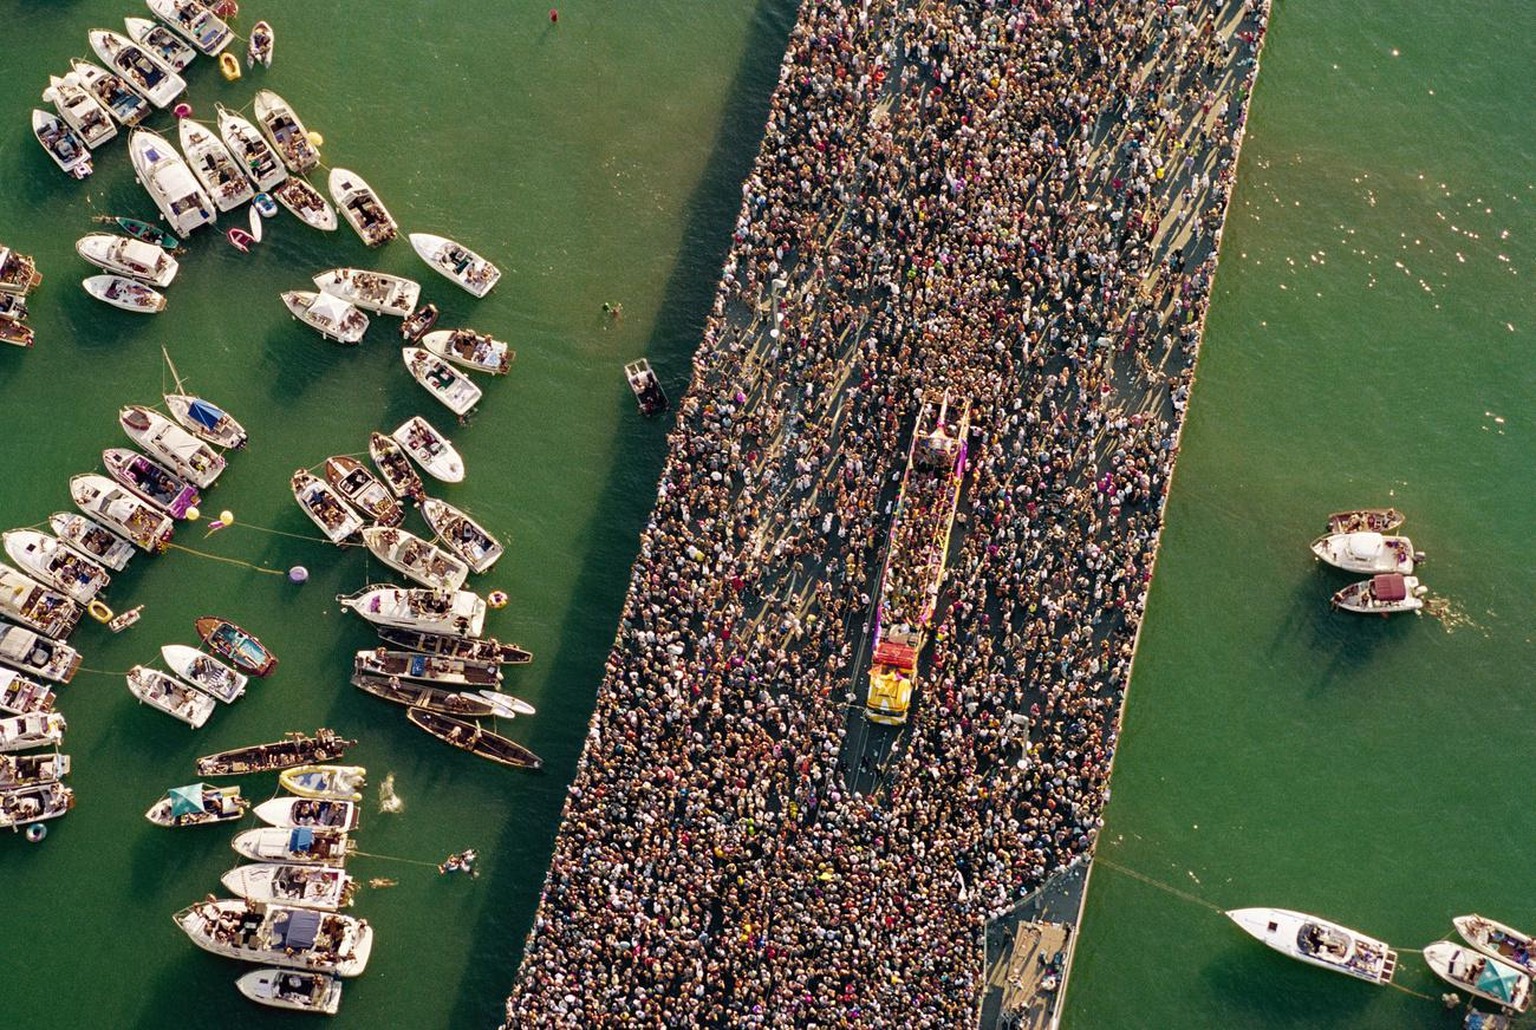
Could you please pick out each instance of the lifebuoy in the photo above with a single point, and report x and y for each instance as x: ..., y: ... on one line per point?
x: 99, y: 611
x: 497, y: 599
x: 36, y: 832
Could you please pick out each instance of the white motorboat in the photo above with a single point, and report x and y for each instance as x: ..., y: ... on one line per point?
x: 121, y: 100
x: 170, y: 695
x: 458, y: 613
x: 331, y: 317
x: 140, y: 68
x: 80, y: 110
x: 21, y: 806
x: 36, y: 729
x: 170, y: 48
x: 461, y: 534
x: 169, y: 182
x: 127, y: 294
x: 261, y: 163
x: 187, y: 456
x: 378, y: 292
x: 1382, y: 595
x: 277, y: 121
x: 91, y: 540
x: 319, y: 813
x: 363, y: 490
x: 457, y: 262
x: 505, y: 705
x: 198, y: 804
x: 26, y: 770
x: 1319, y: 942
x: 34, y: 653
x: 1367, y: 552
x: 195, y: 22
x: 21, y: 696
x: 430, y: 449
x: 414, y: 558
x: 396, y: 469
x: 46, y: 559
x: 1499, y: 940
x: 450, y: 386
x: 288, y: 989
x: 1480, y: 975
x: 123, y: 255
x: 295, y: 844
x: 362, y: 208
x: 322, y: 887
x: 27, y: 602
x: 260, y: 46
x: 221, y: 175
x: 279, y: 935
x: 204, y: 671
x: 205, y: 420
x: 477, y: 351
x: 345, y: 782
x: 63, y: 144
x: 122, y: 511
x: 324, y: 506
x: 306, y: 204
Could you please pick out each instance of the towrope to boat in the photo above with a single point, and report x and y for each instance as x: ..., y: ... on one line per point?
x: 1319, y: 942
x: 169, y: 182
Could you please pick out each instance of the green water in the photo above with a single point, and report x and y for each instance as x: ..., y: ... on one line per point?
x: 596, y: 160
x: 1370, y: 342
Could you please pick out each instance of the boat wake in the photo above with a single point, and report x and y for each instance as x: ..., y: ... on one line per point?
x: 389, y: 801
x: 1452, y: 617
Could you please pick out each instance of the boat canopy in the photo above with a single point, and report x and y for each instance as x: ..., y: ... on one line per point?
x: 296, y: 929
x: 204, y: 414
x: 301, y: 838
x: 1389, y: 587
x: 1499, y: 980
x: 327, y: 306
x: 1364, y: 545
x: 187, y: 800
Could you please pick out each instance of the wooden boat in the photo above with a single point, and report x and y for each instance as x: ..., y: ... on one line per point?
x: 188, y: 456
x: 123, y: 255
x: 255, y: 155
x: 327, y: 813
x: 293, y: 750
x: 142, y: 231
x: 1367, y: 552
x: 414, y: 558
x: 62, y: 143
x: 431, y: 450
x: 395, y: 468
x: 1499, y: 940
x: 378, y: 292
x: 35, y: 729
x: 461, y: 534
x: 505, y: 705
x: 18, y: 273
x: 418, y: 322
x: 121, y: 100
x: 122, y: 511
x: 215, y: 167
x: 25, y: 601
x: 279, y: 935
x: 345, y: 782
x: 324, y: 506
x: 258, y: 49
x: 1366, y: 520
x: 151, y: 481
x: 205, y: 420
x: 1319, y: 942
x: 194, y: 22
x: 285, y: 132
x: 321, y: 887
x: 48, y: 560
x: 362, y: 208
x: 21, y: 696
x: 1480, y: 975
x: 289, y: 989
x: 167, y: 693
x: 168, y: 180
x: 454, y: 613
x: 140, y: 68
x: 243, y: 650
x: 472, y: 350
x: 1382, y: 595
x: 422, y: 695
x: 91, y: 540
x: 171, y: 50
x: 646, y: 387
x: 22, y: 806
x: 124, y: 293
x: 471, y: 737
x: 15, y: 333
x: 26, y: 770
x: 294, y: 844
x: 456, y: 262
x: 486, y: 650
x: 331, y: 317
x: 306, y: 204
x: 198, y: 804
x: 443, y: 670
x: 80, y: 110
x: 204, y: 671
x: 34, y: 653
x: 450, y: 386
x: 363, y: 490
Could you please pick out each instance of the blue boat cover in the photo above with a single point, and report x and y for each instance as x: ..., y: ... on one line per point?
x: 204, y: 414
x: 418, y: 664
x: 301, y: 838
x: 297, y: 930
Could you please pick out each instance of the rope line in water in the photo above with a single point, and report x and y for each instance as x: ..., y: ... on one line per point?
x: 231, y: 561
x: 276, y: 532
x: 395, y: 858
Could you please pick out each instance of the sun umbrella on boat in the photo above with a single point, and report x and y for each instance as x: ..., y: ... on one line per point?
x: 1499, y: 981
x: 187, y: 800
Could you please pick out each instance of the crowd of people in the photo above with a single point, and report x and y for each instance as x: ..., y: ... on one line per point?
x: 1017, y: 205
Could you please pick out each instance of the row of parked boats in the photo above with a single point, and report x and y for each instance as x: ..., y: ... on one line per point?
x: 1362, y: 541
x: 18, y: 277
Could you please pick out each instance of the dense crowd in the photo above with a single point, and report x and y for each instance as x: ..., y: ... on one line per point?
x: 1016, y: 205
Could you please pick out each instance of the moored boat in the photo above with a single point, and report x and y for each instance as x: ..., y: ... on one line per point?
x: 1382, y: 595
x: 363, y: 490
x: 258, y: 49
x: 21, y: 806
x: 345, y: 782
x: 31, y: 652
x: 450, y: 386
x: 198, y: 804
x: 35, y: 729
x: 293, y: 750
x: 139, y: 67
x: 455, y: 613
x: 422, y: 695
x: 89, y: 539
x: 474, y: 738
x: 173, y: 52
x: 290, y: 989
x: 1367, y: 552
x: 278, y: 122
x: 123, y: 255
x: 122, y: 292
x: 168, y: 180
x: 18, y: 273
x: 488, y: 650
x: 646, y: 387
x: 243, y: 650
x: 62, y: 143
x: 505, y: 705
x: 418, y: 322
x: 48, y: 560
x: 204, y: 671
x: 306, y: 204
x: 21, y: 696
x: 1499, y: 940
x: 194, y: 22
x: 80, y: 110
x: 189, y: 457
x: 122, y: 511
x: 206, y: 420
x: 461, y: 534
x: 300, y: 884
x: 16, y: 333
x: 362, y: 208
x: 456, y: 262
x: 142, y: 231
x: 327, y: 813
x: 25, y: 601
x: 294, y: 844
x: 1480, y: 975
x: 1319, y: 942
x: 279, y: 935
x: 26, y: 770
x: 151, y: 481
x: 431, y: 449
x: 128, y: 106
x: 379, y: 292
x: 414, y: 558
x: 443, y: 670
x: 331, y: 317
x: 170, y: 695
x: 255, y: 155
x: 324, y: 506
x: 478, y: 351
x: 1366, y: 520
x: 395, y: 468
x: 221, y: 176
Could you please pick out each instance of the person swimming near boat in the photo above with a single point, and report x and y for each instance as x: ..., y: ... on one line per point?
x: 460, y: 862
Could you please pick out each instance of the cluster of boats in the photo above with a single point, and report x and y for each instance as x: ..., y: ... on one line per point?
x: 18, y: 277
x: 1362, y: 541
x: 197, y: 680
x: 31, y: 781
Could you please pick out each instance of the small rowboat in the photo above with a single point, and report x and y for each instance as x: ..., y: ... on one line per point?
x: 477, y: 351
x: 345, y: 782
x: 450, y: 386
x: 331, y: 317
x: 294, y: 749
x: 471, y: 737
x: 240, y: 239
x: 378, y: 292
x: 198, y: 804
x: 1366, y: 520
x: 456, y: 262
x: 324, y: 506
x: 302, y: 885
x: 242, y: 649
x: 461, y: 534
x: 90, y: 539
x: 298, y: 844
x: 49, y: 561
x: 259, y: 49
x: 362, y: 490
x: 142, y: 231
x: 161, y: 42
x: 206, y: 420
x: 62, y: 143
x: 325, y: 813
x: 418, y: 322
x: 190, y: 457
x: 151, y: 480
x: 488, y: 650
x: 396, y: 469
x: 431, y: 449
x: 414, y: 558
x: 170, y: 695
x: 306, y: 204
x: 204, y: 671
x: 122, y: 292
x: 362, y: 208
x: 441, y: 670
x: 292, y: 989
x: 421, y: 695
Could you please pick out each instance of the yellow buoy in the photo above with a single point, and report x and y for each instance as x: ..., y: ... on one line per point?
x: 193, y: 514
x: 227, y: 517
x: 315, y: 138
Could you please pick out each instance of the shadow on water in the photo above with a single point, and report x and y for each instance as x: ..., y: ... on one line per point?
x: 637, y: 457
x: 1349, y: 642
x: 1281, y: 991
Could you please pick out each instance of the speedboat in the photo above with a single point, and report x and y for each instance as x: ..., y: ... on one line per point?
x: 125, y: 256
x: 324, y: 813
x: 140, y: 68
x: 151, y: 481
x: 474, y: 738
x: 80, y: 110
x: 296, y: 844
x: 414, y: 558
x: 379, y: 292
x: 197, y: 23
x: 34, y: 653
x: 21, y: 696
x: 331, y: 317
x: 160, y: 41
x: 306, y: 204
x: 399, y: 474
x: 63, y: 144
x: 37, y: 729
x: 440, y: 669
x: 324, y: 506
x: 1367, y: 552
x: 259, y: 48
x: 18, y: 273
x: 457, y: 262
x: 279, y: 935
x: 26, y: 770
x: 204, y: 671
x: 321, y: 887
x: 454, y: 613
x: 127, y: 294
x: 1382, y: 595
x: 24, y: 600
x: 325, y: 781
x: 173, y: 697
x: 362, y: 490
x: 254, y: 153
x: 477, y: 351
x: 1499, y: 940
x: 421, y: 695
x: 362, y: 208
x: 15, y: 333
x: 121, y: 100
x: 243, y: 649
x: 198, y: 804
x: 22, y: 806
x: 461, y: 534
x: 1480, y: 975
x: 205, y: 420
x: 1366, y: 520
x: 1319, y: 942
x: 285, y: 132
x: 47, y: 559
x: 289, y: 989
x: 450, y: 386
x: 169, y: 182
x: 188, y: 456
x: 122, y: 511
x: 91, y: 540
x: 221, y: 175
x: 430, y: 449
